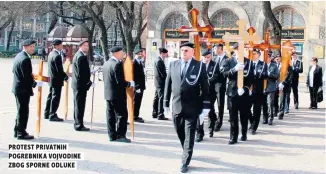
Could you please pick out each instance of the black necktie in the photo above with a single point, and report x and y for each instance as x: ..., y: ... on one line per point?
x: 184, y: 70
x: 255, y: 65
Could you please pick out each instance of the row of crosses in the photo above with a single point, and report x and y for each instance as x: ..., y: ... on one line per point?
x: 243, y: 37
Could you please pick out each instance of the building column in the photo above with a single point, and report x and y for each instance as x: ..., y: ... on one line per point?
x: 34, y: 26
x: 6, y: 39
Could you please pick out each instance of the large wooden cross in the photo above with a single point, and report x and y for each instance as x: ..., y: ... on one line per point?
x: 195, y: 29
x: 41, y: 78
x: 241, y: 38
x: 66, y: 86
x: 286, y: 59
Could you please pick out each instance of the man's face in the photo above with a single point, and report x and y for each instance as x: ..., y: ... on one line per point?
x: 187, y: 53
x: 119, y: 55
x: 84, y: 47
x: 294, y: 56
x: 164, y: 55
x: 30, y: 49
x: 139, y: 55
x: 256, y: 55
x: 59, y: 47
x: 208, y: 58
x: 278, y: 59
x: 219, y: 50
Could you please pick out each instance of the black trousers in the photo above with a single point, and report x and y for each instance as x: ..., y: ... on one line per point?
x: 269, y: 108
x: 283, y: 98
x: 220, y: 97
x: 52, y: 103
x: 313, y: 96
x: 79, y: 107
x: 137, y: 102
x: 185, y: 126
x: 158, y: 109
x: 276, y: 103
x: 116, y: 118
x: 238, y: 104
x: 295, y: 94
x: 257, y: 102
x: 22, y: 103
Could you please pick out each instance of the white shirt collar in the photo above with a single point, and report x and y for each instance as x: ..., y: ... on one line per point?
x: 115, y: 59
x: 27, y: 53
x: 58, y: 51
x: 82, y: 52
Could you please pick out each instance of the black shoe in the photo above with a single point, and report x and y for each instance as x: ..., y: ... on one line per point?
x: 139, y: 120
x: 296, y: 106
x: 250, y: 127
x: 83, y: 129
x: 286, y: 112
x: 253, y: 132
x: 243, y: 138
x: 217, y: 128
x: 280, y: 115
x: 113, y: 138
x: 211, y: 135
x: 123, y: 140
x: 233, y: 141
x: 25, y: 136
x: 46, y: 117
x: 265, y: 122
x: 313, y: 107
x: 56, y: 119
x: 184, y: 168
x: 199, y: 139
x: 154, y: 116
x: 162, y: 118
x: 270, y: 122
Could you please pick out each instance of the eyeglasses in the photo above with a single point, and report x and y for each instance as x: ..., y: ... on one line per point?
x: 184, y: 50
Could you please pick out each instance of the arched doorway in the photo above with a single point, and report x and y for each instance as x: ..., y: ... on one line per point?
x: 172, y: 39
x: 293, y: 27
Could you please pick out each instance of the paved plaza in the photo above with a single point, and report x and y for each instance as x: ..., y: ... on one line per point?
x: 293, y: 145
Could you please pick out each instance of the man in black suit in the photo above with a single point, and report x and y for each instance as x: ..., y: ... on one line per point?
x: 23, y: 84
x: 238, y: 98
x: 284, y: 88
x: 314, y: 81
x: 139, y: 78
x: 269, y: 103
x: 81, y: 83
x: 220, y: 85
x: 57, y: 76
x: 159, y: 82
x: 297, y: 66
x: 260, y: 73
x: 188, y: 83
x: 115, y: 96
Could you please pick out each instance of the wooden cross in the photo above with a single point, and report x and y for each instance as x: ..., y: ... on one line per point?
x: 241, y: 38
x: 251, y: 44
x: 286, y: 59
x: 195, y: 29
x: 39, y: 77
x: 66, y: 86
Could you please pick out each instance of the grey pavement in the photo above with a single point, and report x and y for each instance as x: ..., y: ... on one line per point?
x: 293, y: 145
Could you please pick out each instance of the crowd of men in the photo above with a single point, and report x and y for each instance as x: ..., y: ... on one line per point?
x: 194, y: 87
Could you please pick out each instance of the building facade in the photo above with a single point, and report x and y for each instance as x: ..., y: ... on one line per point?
x: 303, y: 24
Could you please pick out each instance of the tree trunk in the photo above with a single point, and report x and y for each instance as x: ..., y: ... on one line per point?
x: 13, y: 23
x: 275, y: 26
x: 53, y: 23
x: 204, y: 13
x: 5, y: 25
x: 115, y: 34
x: 129, y: 42
x: 90, y: 42
x: 122, y: 34
x: 104, y: 43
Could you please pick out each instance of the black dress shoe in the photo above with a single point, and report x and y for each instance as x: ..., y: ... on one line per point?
x: 113, y: 138
x: 15, y: 134
x: 154, y: 116
x: 56, y: 119
x: 211, y: 135
x: 253, y: 132
x: 243, y: 138
x: 233, y: 141
x: 46, y: 117
x: 199, y: 139
x: 270, y: 122
x: 184, y: 168
x: 162, y: 118
x: 286, y: 112
x: 123, y: 140
x: 265, y: 122
x: 139, y: 120
x: 217, y: 128
x: 296, y: 107
x: 83, y: 129
x: 25, y: 136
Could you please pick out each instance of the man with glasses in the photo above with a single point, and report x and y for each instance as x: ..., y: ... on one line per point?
x: 188, y: 83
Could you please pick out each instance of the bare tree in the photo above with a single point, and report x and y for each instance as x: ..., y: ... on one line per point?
x: 131, y: 16
x: 275, y: 26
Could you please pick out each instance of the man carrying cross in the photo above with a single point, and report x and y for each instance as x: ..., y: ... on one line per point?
x: 238, y: 98
x: 57, y: 76
x: 22, y: 88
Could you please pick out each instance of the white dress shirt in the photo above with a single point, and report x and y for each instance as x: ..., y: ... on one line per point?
x: 311, y: 76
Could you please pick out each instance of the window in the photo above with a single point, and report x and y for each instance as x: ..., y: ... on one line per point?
x: 27, y: 26
x: 289, y: 18
x: 13, y: 41
x: 175, y: 21
x: 2, y: 41
x: 224, y: 18
x: 40, y: 27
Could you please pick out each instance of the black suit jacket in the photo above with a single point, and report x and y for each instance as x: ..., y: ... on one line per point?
x: 297, y: 69
x: 190, y: 94
x: 159, y: 73
x: 272, y: 78
x: 56, y: 73
x: 81, y: 72
x: 220, y: 78
x: 261, y: 74
x: 287, y: 82
x: 318, y: 77
x: 23, y: 82
x: 114, y: 81
x: 228, y: 71
x: 139, y: 75
x: 212, y: 74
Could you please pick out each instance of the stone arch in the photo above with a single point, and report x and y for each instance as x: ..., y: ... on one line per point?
x: 299, y: 8
x: 236, y: 9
